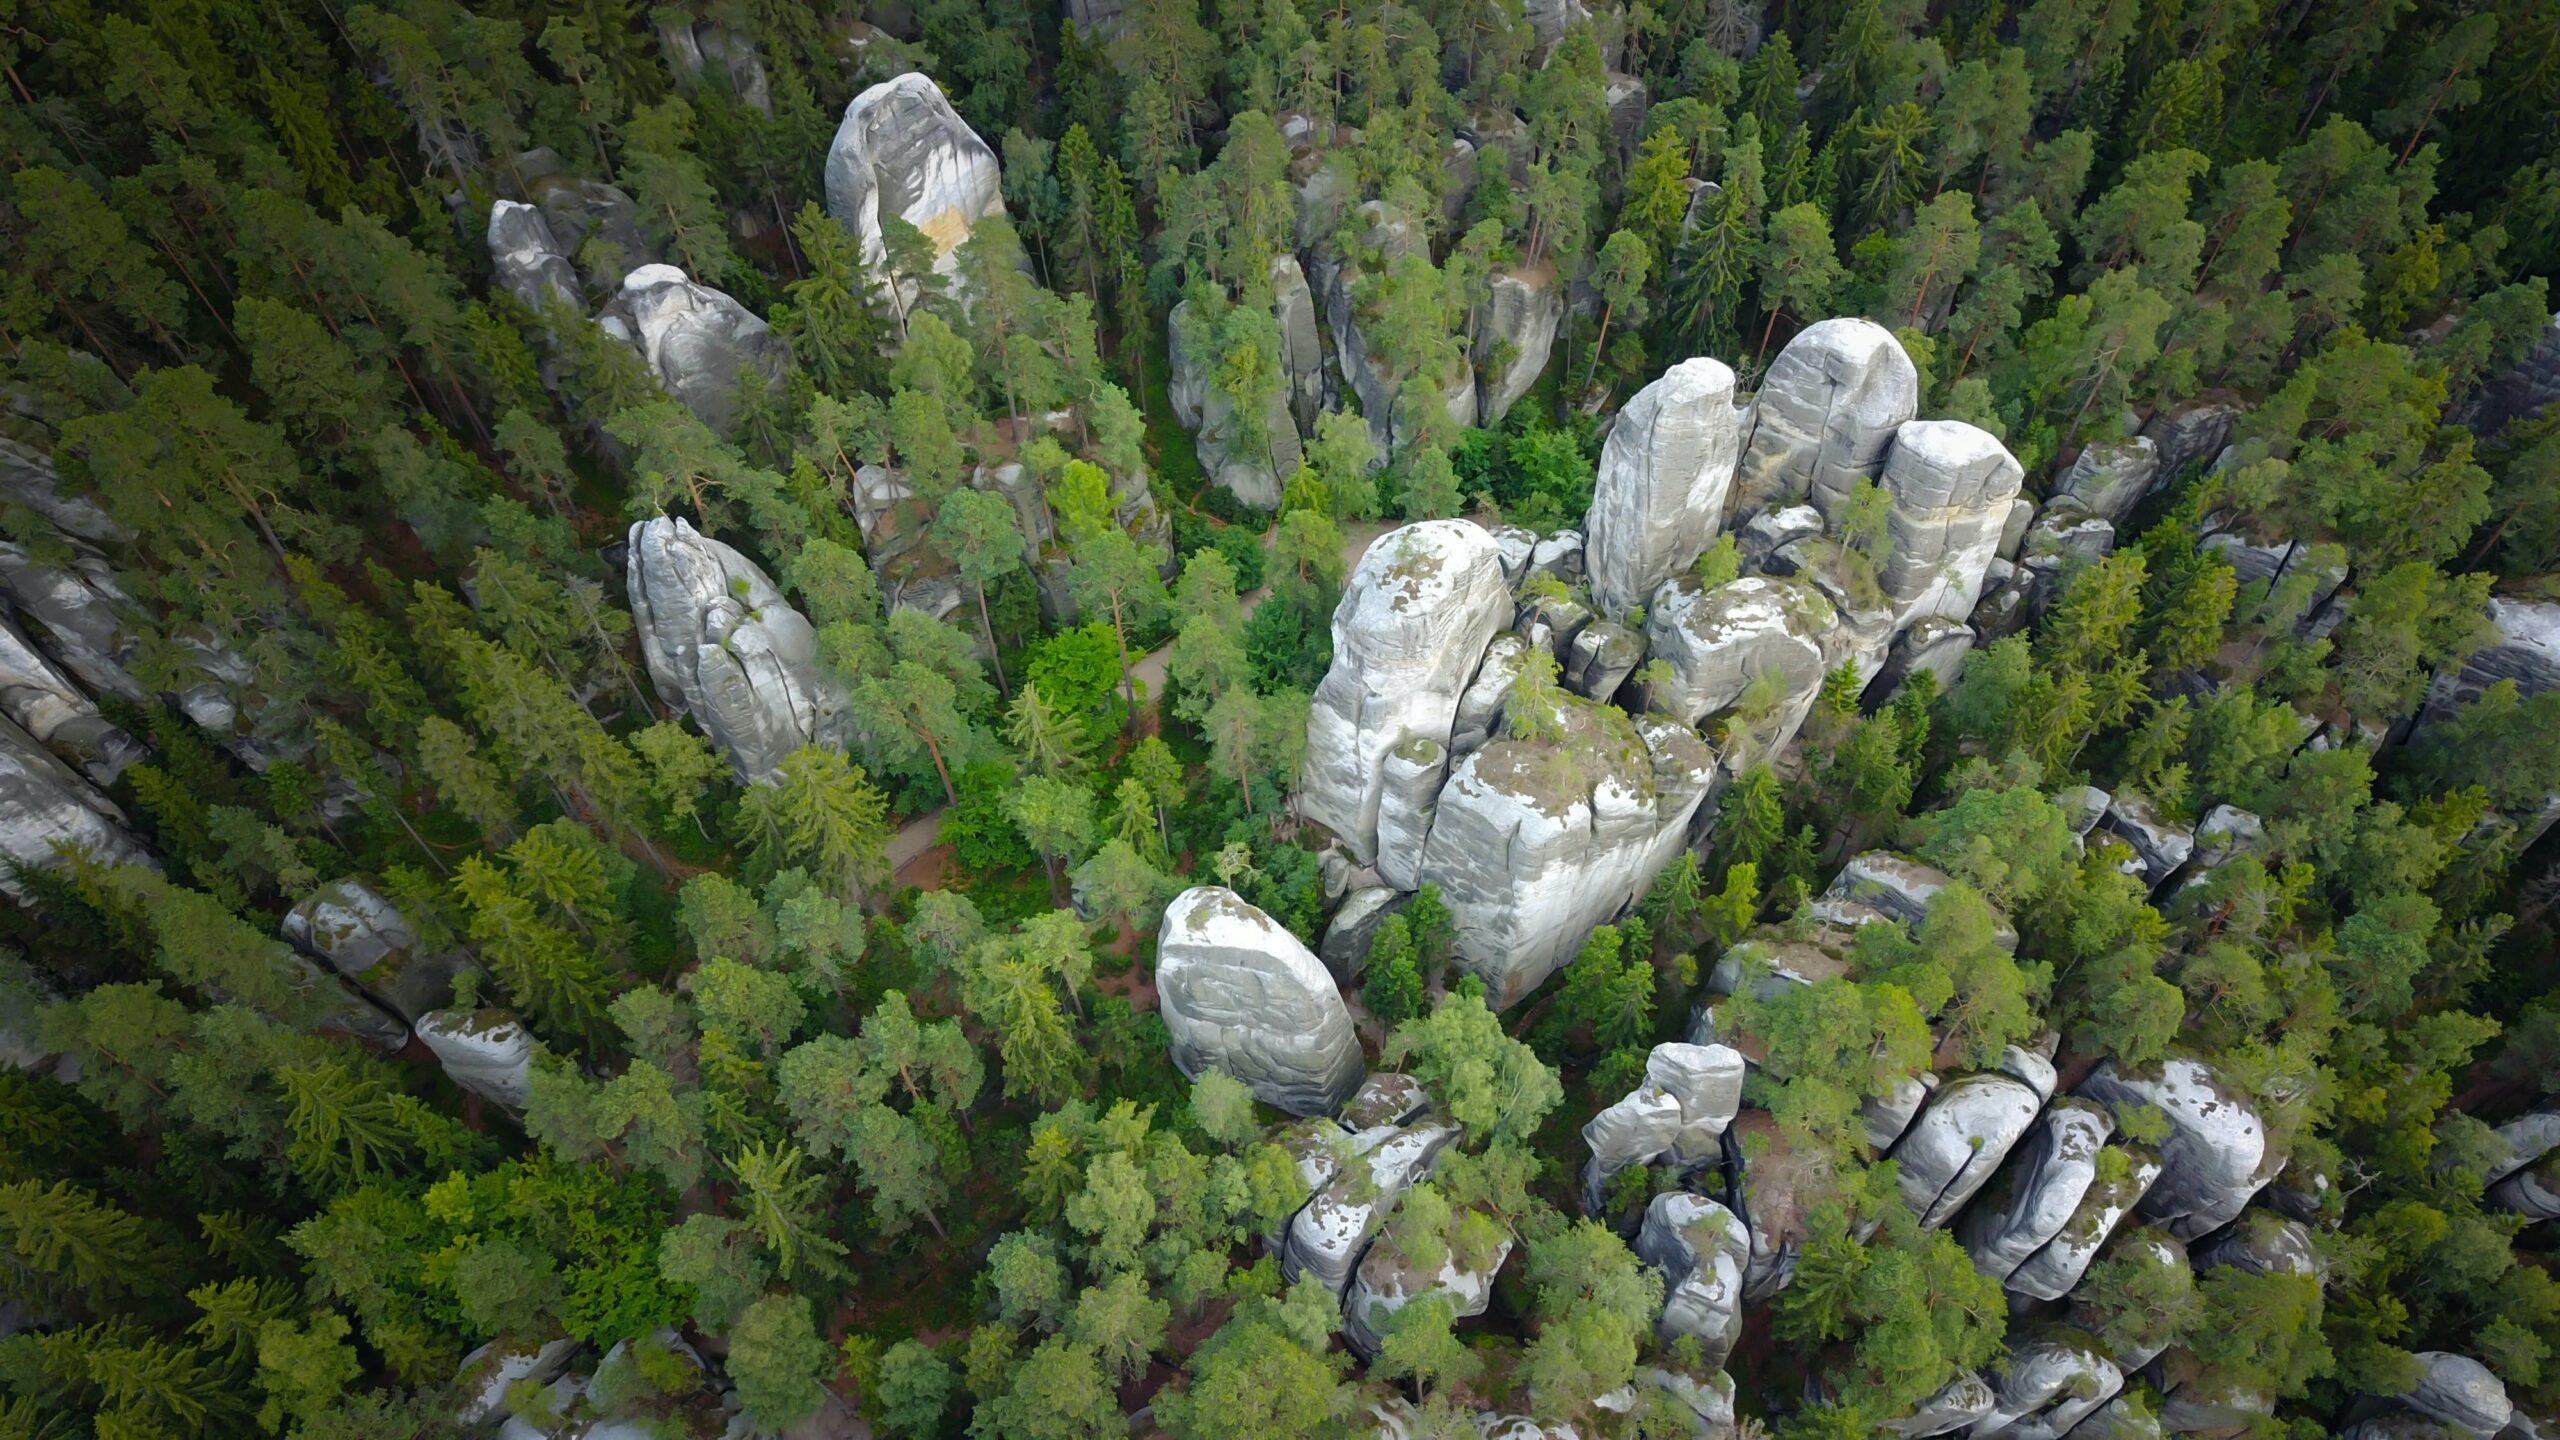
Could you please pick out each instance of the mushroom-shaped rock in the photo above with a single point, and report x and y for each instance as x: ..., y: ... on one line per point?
x: 1951, y: 1150
x: 902, y: 150
x: 1413, y: 621
x: 1701, y: 1249
x: 2111, y: 476
x: 484, y: 1051
x: 2216, y: 1154
x: 1240, y: 994
x: 2046, y: 1179
x: 1660, y: 492
x: 1825, y: 415
x: 2048, y: 1387
x: 1961, y: 1402
x: 1337, y: 1222
x: 48, y: 812
x: 2462, y: 1393
x: 724, y: 647
x: 1391, y: 1276
x: 1949, y: 486
x: 527, y: 261
x: 701, y: 344
x: 1757, y: 638
x: 1541, y: 836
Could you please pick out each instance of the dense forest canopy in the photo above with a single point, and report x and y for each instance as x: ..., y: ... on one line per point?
x: 1470, y: 720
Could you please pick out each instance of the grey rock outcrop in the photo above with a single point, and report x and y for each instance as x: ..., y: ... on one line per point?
x: 724, y: 647
x: 2461, y: 1392
x: 2048, y: 1387
x: 1886, y: 1116
x: 45, y: 702
x: 2225, y: 833
x: 1950, y: 485
x: 1770, y: 531
x: 698, y: 51
x: 1409, y: 781
x: 1389, y: 237
x: 2532, y: 1191
x: 1900, y: 887
x: 1758, y: 638
x: 1701, y: 1248
x: 1689, y: 1095
x: 2047, y: 1178
x: 596, y: 225
x: 1389, y: 1278
x: 2262, y: 1244
x: 1252, y: 461
x: 484, y: 1051
x: 1601, y: 658
x: 1293, y: 302
x: 1240, y: 994
x: 2527, y: 651
x: 1952, y: 1149
x: 488, y: 1371
x: 1659, y: 496
x: 902, y: 150
x: 1552, y: 20
x: 2053, y: 1270
x: 2159, y: 846
x: 2279, y: 560
x: 1515, y: 329
x: 1345, y: 946
x: 2110, y: 477
x: 48, y: 810
x: 1480, y: 707
x: 2122, y: 1418
x: 1413, y: 621
x: 1963, y: 1400
x: 700, y: 344
x: 2216, y: 1155
x: 365, y: 938
x: 1931, y: 646
x: 2192, y: 436
x: 1330, y: 1231
x: 1825, y: 415
x: 2521, y: 390
x: 527, y: 261
x: 1538, y: 840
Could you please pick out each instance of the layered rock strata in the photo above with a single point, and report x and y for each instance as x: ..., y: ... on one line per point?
x: 1825, y: 415
x: 1240, y: 994
x: 723, y: 646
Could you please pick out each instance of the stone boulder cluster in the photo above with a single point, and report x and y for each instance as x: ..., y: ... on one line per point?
x: 600, y: 1395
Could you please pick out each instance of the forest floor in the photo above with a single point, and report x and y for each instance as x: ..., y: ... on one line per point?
x: 916, y: 854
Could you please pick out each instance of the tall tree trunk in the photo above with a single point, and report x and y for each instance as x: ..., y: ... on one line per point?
x: 995, y: 654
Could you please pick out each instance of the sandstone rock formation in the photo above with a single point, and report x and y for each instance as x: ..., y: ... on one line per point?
x: 45, y: 702
x: 1689, y: 1095
x: 488, y: 1371
x: 1390, y: 1277
x: 2048, y: 1387
x: 2460, y: 1392
x: 1414, y: 619
x: 1537, y: 840
x: 724, y: 647
x: 1345, y: 946
x: 527, y: 261
x: 365, y: 938
x: 1515, y: 328
x: 2521, y: 390
x: 1664, y: 473
x: 2159, y: 846
x: 484, y: 1051
x: 1951, y: 1150
x: 2192, y: 436
x: 1754, y: 639
x: 2262, y: 1244
x: 2527, y: 651
x: 1950, y: 486
x: 1240, y: 994
x: 2047, y: 1178
x: 48, y: 811
x: 701, y: 344
x: 1963, y: 1401
x: 1328, y: 1234
x: 902, y: 150
x: 2053, y: 1270
x: 2216, y: 1155
x: 596, y: 225
x: 1825, y: 415
x: 1253, y: 461
x: 1293, y: 302
x: 2110, y: 477
x: 1701, y: 1248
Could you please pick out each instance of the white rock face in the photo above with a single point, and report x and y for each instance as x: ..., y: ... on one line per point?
x: 1414, y: 619
x: 1966, y: 1399
x: 1480, y: 708
x: 488, y: 1371
x: 2216, y: 1155
x: 1951, y: 485
x: 724, y: 647
x: 2527, y: 651
x: 1409, y: 782
x: 1537, y: 841
x: 2261, y: 1243
x: 1521, y: 311
x: 902, y: 150
x: 701, y: 344
x: 1951, y: 1150
x: 1689, y: 1096
x: 2048, y: 1388
x: 1240, y: 994
x: 2461, y: 1392
x: 1701, y: 1248
x: 1939, y: 647
x: 2048, y: 1176
x: 1825, y: 415
x: 2159, y: 846
x: 1301, y: 344
x: 484, y: 1051
x: 1337, y: 1222
x: 1389, y: 1279
x: 47, y: 810
x: 47, y: 704
x: 528, y: 261
x: 1660, y: 493
x: 1720, y: 644
x: 2053, y: 1270
x: 365, y: 938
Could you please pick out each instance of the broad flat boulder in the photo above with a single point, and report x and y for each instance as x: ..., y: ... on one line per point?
x: 1701, y: 1248
x: 902, y: 150
x: 1754, y: 638
x: 1413, y: 622
x: 723, y: 646
x: 2460, y: 1392
x: 699, y: 343
x: 2216, y: 1155
x: 1951, y: 1150
x: 1240, y: 994
x: 1659, y: 496
x: 1950, y: 486
x: 1825, y: 415
x: 1539, y: 837
x: 527, y: 261
x: 486, y: 1052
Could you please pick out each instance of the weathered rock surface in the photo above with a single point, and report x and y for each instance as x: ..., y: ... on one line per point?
x: 527, y: 261
x: 488, y: 1371
x: 2519, y: 391
x: 1896, y: 885
x: 1514, y: 332
x: 484, y: 1051
x: 42, y: 700
x: 596, y: 225
x: 2110, y: 477
x: 1345, y: 946
x: 2192, y: 436
x: 1950, y: 486
x: 701, y: 344
x: 1770, y: 531
x: 2262, y: 1244
x: 2064, y: 536
x: 2225, y: 833
x: 365, y: 938
x: 1601, y: 658
x: 2462, y: 1393
x: 1825, y: 415
x: 2279, y: 560
x: 2216, y: 1155
x: 1930, y: 645
x: 2119, y: 1419
x: 1252, y: 461
x: 1688, y: 1097
x: 1701, y: 1248
x: 1552, y: 20
x: 1390, y: 1278
x: 2049, y: 1387
x: 1240, y: 994
x: 1754, y: 637
x: 1413, y: 621
x: 2159, y: 846
x: 1293, y: 301
x: 1538, y: 840
x: 1328, y: 1234
x: 2527, y: 651
x: 724, y: 647
x: 1951, y: 1150
x: 1964, y: 1400
x: 2047, y: 1178
x: 1659, y: 496
x: 2053, y: 1270
x: 902, y: 150
x: 1389, y: 237
x: 697, y: 51
x: 1409, y: 781
x: 1480, y: 707
x: 1886, y: 1116
x: 2533, y: 1191
x: 47, y: 810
